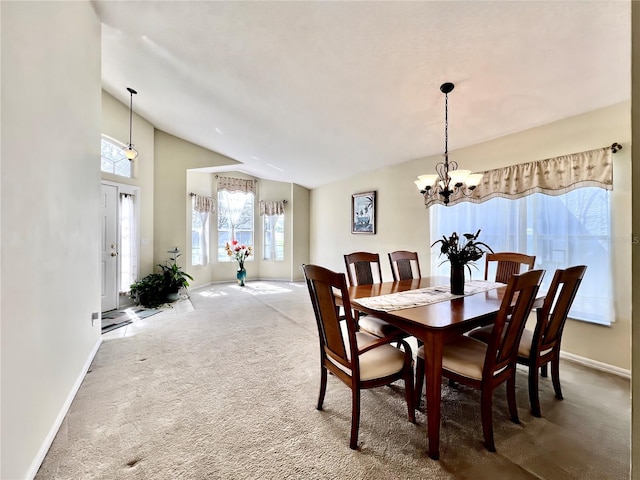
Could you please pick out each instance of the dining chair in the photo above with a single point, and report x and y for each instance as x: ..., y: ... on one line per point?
x: 404, y: 265
x: 486, y: 366
x: 507, y: 264
x: 363, y: 268
x: 541, y: 346
x: 360, y: 360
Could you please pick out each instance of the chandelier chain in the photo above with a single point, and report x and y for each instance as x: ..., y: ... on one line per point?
x: 446, y: 127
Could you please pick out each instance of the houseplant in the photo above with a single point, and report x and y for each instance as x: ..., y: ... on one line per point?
x: 160, y: 287
x: 461, y: 254
x: 174, y: 277
x: 240, y: 253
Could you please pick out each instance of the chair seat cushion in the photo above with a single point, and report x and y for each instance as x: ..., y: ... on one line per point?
x: 379, y: 327
x: 524, y: 349
x: 378, y: 362
x: 464, y: 356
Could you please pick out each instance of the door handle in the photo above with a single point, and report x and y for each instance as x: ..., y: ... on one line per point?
x: 114, y: 254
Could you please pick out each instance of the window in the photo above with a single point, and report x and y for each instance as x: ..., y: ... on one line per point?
x: 561, y: 231
x: 273, y: 228
x: 113, y: 159
x: 199, y: 235
x: 235, y: 220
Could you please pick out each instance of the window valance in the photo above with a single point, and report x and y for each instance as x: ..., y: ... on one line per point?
x: 552, y: 176
x: 237, y: 184
x: 272, y: 207
x: 203, y: 204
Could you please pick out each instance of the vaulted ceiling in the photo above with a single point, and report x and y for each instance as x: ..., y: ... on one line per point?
x: 312, y: 92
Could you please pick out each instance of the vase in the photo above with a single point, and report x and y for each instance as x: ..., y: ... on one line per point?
x: 241, y: 276
x: 457, y: 279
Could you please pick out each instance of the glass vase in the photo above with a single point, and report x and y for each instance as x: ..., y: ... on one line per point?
x: 241, y: 275
x: 457, y: 279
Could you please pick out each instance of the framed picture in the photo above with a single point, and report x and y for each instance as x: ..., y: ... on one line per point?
x: 363, y: 213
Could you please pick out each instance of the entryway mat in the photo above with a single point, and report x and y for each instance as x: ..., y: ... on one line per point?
x: 119, y: 318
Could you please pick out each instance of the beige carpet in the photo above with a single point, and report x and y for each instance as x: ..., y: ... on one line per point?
x: 228, y: 391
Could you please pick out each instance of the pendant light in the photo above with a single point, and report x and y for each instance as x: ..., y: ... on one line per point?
x: 448, y: 180
x: 130, y: 152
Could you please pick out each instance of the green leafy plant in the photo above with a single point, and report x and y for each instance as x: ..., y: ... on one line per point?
x: 152, y: 290
x: 462, y: 252
x: 174, y: 277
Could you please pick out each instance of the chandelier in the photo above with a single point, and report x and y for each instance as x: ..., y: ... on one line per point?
x: 130, y: 152
x: 448, y: 180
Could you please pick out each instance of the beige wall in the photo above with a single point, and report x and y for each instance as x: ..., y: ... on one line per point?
x: 300, y: 230
x: 635, y: 257
x: 172, y: 217
x: 402, y: 221
x: 50, y: 186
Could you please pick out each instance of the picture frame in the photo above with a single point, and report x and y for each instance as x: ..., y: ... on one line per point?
x: 363, y: 213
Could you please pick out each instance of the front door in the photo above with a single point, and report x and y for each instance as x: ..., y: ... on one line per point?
x: 109, y: 247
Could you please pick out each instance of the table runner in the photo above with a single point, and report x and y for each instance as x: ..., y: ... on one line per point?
x: 423, y: 296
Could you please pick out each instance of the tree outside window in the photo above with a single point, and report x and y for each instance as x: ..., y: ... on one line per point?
x: 235, y: 220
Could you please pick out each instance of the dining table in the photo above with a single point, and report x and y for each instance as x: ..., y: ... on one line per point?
x: 426, y: 309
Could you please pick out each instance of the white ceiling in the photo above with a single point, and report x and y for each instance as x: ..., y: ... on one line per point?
x: 312, y: 92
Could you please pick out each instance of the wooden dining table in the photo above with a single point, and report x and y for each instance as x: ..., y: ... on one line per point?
x: 434, y: 324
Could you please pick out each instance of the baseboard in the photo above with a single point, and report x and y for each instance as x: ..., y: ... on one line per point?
x: 603, y: 367
x: 46, y: 444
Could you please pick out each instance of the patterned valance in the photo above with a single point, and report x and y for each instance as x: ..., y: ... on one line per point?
x: 203, y: 204
x: 553, y: 176
x: 272, y: 207
x: 237, y: 184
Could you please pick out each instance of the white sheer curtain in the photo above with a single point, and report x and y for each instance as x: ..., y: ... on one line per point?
x: 271, y: 210
x: 270, y: 242
x: 202, y: 206
x: 562, y: 231
x: 127, y: 251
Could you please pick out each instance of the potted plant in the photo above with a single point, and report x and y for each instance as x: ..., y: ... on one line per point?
x: 158, y: 288
x: 461, y: 254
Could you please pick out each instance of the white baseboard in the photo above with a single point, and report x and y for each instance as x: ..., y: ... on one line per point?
x: 603, y: 367
x: 46, y: 444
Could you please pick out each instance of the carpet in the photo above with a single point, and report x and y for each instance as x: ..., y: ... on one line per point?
x: 229, y: 389
x: 119, y: 318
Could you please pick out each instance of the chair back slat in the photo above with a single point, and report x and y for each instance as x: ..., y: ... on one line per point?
x: 508, y: 264
x: 322, y: 284
x: 364, y: 273
x: 363, y: 268
x: 502, y: 349
x: 405, y: 272
x: 557, y: 304
x: 404, y: 265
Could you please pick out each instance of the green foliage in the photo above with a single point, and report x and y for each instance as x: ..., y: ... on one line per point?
x: 459, y: 253
x: 152, y: 290
x: 149, y: 291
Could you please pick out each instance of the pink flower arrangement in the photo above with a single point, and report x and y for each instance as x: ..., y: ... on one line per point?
x: 239, y: 252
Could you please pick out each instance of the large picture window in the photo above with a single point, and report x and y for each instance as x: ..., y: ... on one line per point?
x: 561, y: 231
x: 235, y: 220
